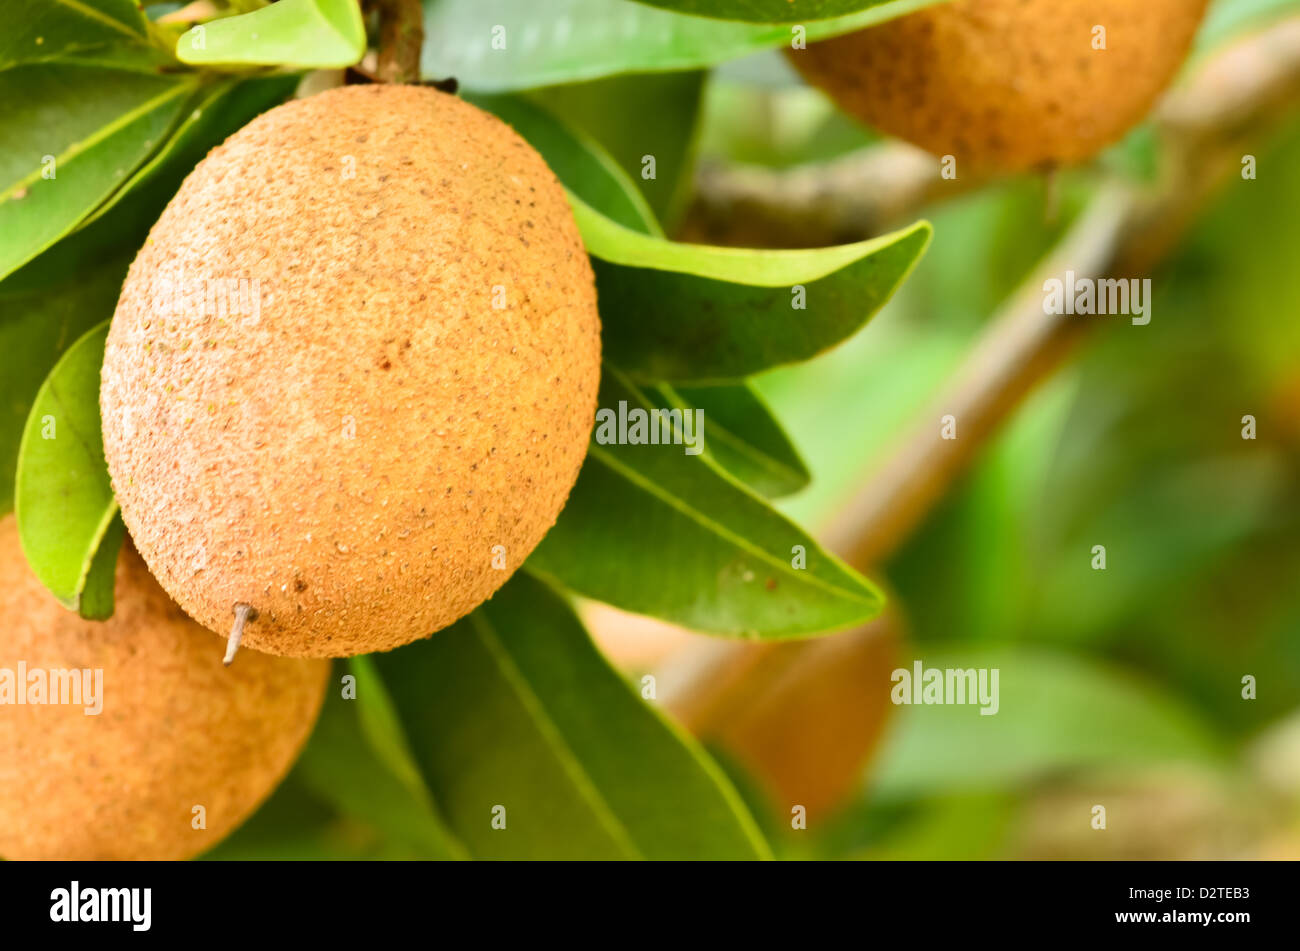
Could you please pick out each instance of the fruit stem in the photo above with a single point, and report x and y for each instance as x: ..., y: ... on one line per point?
x: 401, y: 36
x: 243, y: 614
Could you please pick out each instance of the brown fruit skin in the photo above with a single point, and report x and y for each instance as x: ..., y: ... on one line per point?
x: 347, y: 462
x: 1007, y: 85
x: 177, y: 729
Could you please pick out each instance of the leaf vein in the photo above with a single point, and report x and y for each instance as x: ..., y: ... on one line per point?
x: 721, y: 530
x: 550, y: 732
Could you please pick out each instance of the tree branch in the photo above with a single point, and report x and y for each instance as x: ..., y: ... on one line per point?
x: 875, y: 189
x: 1234, y: 99
x: 837, y: 202
x: 1205, y: 126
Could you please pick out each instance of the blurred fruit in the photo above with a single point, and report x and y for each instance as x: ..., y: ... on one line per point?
x: 1008, y: 85
x: 802, y: 718
x: 176, y: 729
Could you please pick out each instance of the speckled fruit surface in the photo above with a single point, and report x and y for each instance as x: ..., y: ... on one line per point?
x: 398, y: 404
x: 176, y: 729
x: 1008, y: 85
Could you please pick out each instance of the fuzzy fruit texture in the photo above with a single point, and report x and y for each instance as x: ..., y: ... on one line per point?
x: 367, y: 438
x: 176, y: 729
x: 1008, y: 85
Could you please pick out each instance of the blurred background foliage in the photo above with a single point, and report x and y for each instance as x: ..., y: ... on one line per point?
x: 1131, y: 694
x: 1135, y: 444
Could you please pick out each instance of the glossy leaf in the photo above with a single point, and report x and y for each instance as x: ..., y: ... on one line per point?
x: 51, y: 301
x: 38, y: 322
x: 577, y: 160
x: 640, y: 119
x: 97, y: 593
x: 655, y: 531
x: 743, y: 437
x: 564, y: 41
x: 152, y: 60
x: 512, y: 714
x: 312, y: 34
x: 225, y: 108
x: 357, y: 760
x: 35, y: 30
x: 766, y: 11
x: 692, y: 312
x: 73, y: 134
x: 63, y: 498
x: 1055, y: 712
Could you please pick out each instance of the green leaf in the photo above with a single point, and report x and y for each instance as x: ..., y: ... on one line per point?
x: 514, y: 707
x: 152, y: 60
x: 639, y: 116
x: 101, y: 579
x: 693, y: 312
x: 577, y: 160
x: 64, y: 501
x: 1055, y: 712
x: 38, y: 322
x: 357, y: 761
x: 51, y: 301
x: 74, y: 133
x: 743, y: 437
x: 223, y: 109
x: 564, y: 41
x: 617, y: 244
x: 655, y: 531
x: 309, y: 34
x: 294, y: 824
x: 35, y: 30
x: 766, y: 11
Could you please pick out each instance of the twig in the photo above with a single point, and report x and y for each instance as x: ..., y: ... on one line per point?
x: 1021, y: 347
x: 1238, y: 96
x: 1205, y: 126
x: 401, y: 37
x: 873, y: 189
x: 836, y: 202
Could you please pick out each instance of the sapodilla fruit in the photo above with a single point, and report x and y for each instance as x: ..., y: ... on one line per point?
x: 1008, y: 85
x: 175, y: 730
x: 394, y: 417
